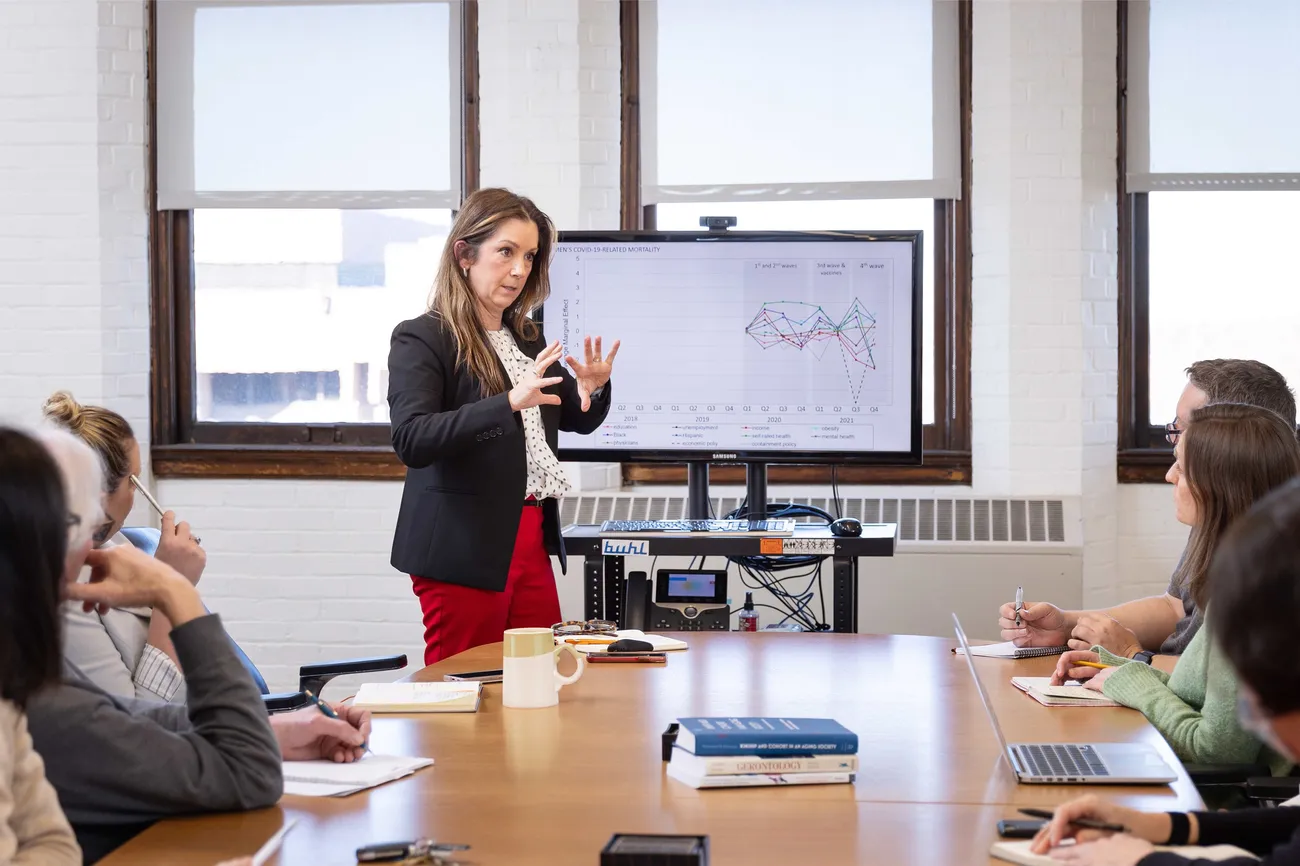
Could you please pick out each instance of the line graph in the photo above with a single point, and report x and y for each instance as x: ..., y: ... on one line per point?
x: 808, y: 327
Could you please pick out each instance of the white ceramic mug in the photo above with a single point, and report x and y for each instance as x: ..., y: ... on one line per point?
x: 528, y: 668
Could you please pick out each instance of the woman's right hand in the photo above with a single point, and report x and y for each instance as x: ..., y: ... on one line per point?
x: 1151, y: 826
x: 529, y: 393
x: 178, y: 547
x: 1068, y: 667
x: 125, y: 577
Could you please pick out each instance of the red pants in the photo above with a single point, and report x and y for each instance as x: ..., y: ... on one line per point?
x: 457, y: 617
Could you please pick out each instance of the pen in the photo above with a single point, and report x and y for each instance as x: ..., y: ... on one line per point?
x: 582, y: 641
x: 1098, y: 665
x: 1020, y: 603
x: 267, y: 851
x: 329, y: 711
x: 147, y: 495
x: 1089, y: 823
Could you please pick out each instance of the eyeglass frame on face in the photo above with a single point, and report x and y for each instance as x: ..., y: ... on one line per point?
x: 1172, y: 432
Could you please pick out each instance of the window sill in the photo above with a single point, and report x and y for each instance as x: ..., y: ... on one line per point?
x: 1144, y: 465
x: 359, y: 462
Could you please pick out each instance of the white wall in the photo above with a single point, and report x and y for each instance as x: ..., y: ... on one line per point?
x: 299, y: 568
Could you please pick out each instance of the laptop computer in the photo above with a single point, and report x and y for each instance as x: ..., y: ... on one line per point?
x: 1071, y: 763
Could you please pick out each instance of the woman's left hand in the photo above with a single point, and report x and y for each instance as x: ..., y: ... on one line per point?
x: 595, y: 372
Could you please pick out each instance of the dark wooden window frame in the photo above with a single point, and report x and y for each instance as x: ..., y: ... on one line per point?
x: 1144, y: 455
x: 182, y: 447
x: 946, y: 442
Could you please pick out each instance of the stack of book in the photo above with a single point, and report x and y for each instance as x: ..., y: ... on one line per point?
x: 744, y: 752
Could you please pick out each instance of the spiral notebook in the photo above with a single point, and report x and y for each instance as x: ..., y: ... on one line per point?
x: 1008, y: 650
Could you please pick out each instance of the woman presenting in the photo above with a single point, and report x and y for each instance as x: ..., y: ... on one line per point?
x: 476, y: 397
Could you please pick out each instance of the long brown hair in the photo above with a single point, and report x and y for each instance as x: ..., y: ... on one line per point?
x: 107, y: 433
x: 453, y: 298
x: 1233, y: 455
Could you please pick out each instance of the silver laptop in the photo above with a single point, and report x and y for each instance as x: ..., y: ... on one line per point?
x: 1072, y: 763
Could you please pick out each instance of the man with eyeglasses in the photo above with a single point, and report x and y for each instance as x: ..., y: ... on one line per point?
x: 1159, y: 625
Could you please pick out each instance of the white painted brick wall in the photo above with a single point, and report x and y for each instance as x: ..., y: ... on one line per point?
x: 300, y: 568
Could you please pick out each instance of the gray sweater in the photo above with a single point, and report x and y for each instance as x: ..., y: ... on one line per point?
x: 120, y: 764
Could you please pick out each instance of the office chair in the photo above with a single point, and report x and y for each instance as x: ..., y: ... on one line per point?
x: 1242, y: 785
x: 312, y: 677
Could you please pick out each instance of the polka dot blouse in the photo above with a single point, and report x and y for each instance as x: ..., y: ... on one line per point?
x: 545, y: 477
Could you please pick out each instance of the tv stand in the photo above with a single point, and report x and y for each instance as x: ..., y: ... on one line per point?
x: 698, y: 504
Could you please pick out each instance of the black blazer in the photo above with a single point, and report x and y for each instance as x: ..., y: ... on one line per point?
x: 465, y: 458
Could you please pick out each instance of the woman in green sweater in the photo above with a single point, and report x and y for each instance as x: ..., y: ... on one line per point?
x: 1229, y: 456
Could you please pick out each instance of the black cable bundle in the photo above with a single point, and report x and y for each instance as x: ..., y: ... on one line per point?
x: 763, y: 569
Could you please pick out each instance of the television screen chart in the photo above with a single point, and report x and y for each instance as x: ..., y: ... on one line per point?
x: 772, y: 347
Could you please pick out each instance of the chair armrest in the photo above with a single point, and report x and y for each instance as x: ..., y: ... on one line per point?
x: 283, y: 702
x: 1224, y: 774
x: 1275, y: 788
x: 314, y: 677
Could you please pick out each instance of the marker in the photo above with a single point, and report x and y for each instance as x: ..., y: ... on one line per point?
x: 1020, y: 603
x: 328, y: 711
x: 1090, y: 823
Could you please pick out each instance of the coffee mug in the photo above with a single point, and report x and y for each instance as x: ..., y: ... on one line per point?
x: 529, y: 676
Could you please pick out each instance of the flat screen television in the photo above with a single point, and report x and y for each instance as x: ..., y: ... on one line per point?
x: 749, y: 347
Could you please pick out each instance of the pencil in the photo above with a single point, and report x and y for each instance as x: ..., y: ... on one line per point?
x: 583, y: 641
x: 1097, y: 665
x: 1090, y: 823
x: 147, y: 495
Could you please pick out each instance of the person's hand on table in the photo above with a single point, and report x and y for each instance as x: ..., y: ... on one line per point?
x: 1148, y: 827
x: 594, y: 371
x: 1099, y: 629
x: 1041, y: 624
x: 1068, y: 667
x: 1118, y: 850
x: 308, y: 734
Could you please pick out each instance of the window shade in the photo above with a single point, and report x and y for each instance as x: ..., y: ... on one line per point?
x: 1212, y: 97
x: 821, y: 99
x: 276, y: 103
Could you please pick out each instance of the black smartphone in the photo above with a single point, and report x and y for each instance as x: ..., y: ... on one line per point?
x: 1020, y: 828
x: 481, y: 676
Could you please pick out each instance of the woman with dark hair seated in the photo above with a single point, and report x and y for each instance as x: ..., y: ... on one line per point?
x: 34, y: 521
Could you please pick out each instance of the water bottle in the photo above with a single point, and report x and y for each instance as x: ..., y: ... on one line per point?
x: 748, y: 616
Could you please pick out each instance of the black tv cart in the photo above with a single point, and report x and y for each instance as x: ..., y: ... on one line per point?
x: 604, y: 577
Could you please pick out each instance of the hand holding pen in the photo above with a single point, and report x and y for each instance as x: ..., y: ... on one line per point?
x: 1020, y: 603
x: 1090, y: 818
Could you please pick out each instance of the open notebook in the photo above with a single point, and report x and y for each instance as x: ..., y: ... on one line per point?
x: 328, y: 779
x: 1042, y: 690
x: 1008, y: 650
x: 658, y: 642
x: 1018, y: 852
x: 455, y: 697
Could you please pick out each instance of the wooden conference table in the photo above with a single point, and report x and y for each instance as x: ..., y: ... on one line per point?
x: 550, y: 786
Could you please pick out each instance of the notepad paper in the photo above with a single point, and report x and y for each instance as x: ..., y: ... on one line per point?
x: 1009, y: 650
x: 1042, y: 690
x: 1018, y: 852
x: 658, y: 642
x: 455, y: 697
x: 328, y: 779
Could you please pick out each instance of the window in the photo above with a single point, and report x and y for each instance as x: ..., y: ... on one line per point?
x: 1211, y: 203
x: 725, y: 130
x: 284, y: 250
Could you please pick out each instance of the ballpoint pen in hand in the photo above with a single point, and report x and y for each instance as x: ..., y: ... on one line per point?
x: 1020, y: 603
x: 1089, y: 823
x: 147, y: 495
x: 329, y: 711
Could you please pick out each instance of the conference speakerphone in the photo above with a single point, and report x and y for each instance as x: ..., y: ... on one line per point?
x: 779, y: 526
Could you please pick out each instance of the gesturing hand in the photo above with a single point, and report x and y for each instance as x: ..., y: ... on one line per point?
x: 594, y: 372
x: 529, y: 392
x: 1099, y: 629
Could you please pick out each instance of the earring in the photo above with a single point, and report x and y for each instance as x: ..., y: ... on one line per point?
x: 465, y: 272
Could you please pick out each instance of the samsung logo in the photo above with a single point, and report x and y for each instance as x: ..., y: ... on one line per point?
x: 724, y: 456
